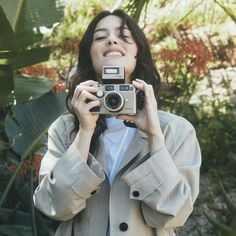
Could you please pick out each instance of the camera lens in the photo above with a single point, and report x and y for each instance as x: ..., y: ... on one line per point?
x: 113, y: 101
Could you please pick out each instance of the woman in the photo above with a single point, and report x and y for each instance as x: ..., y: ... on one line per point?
x: 100, y: 177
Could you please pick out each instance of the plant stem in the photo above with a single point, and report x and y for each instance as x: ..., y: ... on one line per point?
x: 18, y: 12
x: 10, y: 183
x: 30, y: 150
x: 34, y: 227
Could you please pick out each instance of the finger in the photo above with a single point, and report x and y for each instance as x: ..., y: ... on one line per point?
x: 146, y: 88
x: 127, y: 117
x: 86, y: 107
x: 89, y: 83
x: 85, y: 95
x: 138, y: 84
x: 93, y: 104
x: 83, y: 98
x: 79, y: 89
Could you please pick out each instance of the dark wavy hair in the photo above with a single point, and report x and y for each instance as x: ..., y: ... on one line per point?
x: 145, y: 67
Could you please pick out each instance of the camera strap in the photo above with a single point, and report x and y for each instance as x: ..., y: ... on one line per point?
x: 129, y: 124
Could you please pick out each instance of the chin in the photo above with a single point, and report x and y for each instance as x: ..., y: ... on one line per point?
x: 113, y: 61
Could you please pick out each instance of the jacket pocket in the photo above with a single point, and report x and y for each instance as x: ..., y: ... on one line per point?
x: 142, y: 181
x: 144, y: 187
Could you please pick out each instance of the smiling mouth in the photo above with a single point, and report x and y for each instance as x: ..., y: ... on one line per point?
x: 113, y: 53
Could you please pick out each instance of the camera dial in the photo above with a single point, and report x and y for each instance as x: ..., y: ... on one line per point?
x: 100, y: 93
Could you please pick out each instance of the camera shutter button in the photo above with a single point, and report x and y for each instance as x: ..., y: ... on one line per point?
x: 100, y: 93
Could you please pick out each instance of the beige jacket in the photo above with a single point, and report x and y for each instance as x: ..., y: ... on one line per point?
x: 149, y: 196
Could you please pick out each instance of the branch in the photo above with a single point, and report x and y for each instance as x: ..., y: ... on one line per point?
x: 226, y: 10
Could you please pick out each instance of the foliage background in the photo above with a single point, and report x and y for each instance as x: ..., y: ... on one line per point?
x: 193, y: 43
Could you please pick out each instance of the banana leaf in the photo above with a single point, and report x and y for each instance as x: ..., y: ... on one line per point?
x: 24, y: 88
x: 7, y: 38
x: 28, y: 124
x: 21, y: 218
x: 28, y: 16
x: 20, y: 26
x: 29, y: 57
x: 13, y: 230
x: 6, y: 81
x: 28, y: 88
x: 29, y: 121
x: 21, y: 223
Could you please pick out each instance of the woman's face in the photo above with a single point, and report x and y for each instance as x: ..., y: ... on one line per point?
x: 110, y: 49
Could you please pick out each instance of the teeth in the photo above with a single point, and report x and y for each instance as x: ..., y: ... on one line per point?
x: 113, y: 53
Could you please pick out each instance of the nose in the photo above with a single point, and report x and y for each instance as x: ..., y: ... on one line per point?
x: 112, y: 40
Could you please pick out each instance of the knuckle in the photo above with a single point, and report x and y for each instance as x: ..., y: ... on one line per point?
x: 78, y: 89
x: 83, y: 93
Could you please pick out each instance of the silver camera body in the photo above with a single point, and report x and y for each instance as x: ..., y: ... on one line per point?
x: 116, y: 97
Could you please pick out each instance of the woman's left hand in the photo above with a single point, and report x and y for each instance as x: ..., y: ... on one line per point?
x: 147, y: 119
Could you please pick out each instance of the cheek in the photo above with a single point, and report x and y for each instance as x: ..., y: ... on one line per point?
x: 96, y: 59
x: 93, y: 54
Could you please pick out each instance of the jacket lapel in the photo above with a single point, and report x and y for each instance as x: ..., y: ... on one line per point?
x: 101, y: 156
x: 138, y: 144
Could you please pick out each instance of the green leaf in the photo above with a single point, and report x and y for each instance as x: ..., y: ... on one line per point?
x: 6, y: 55
x: 7, y: 39
x: 6, y: 81
x: 30, y: 120
x: 29, y: 57
x: 22, y: 223
x: 226, y: 230
x: 21, y: 218
x: 28, y: 124
x: 231, y: 206
x: 135, y: 8
x: 3, y: 145
x: 27, y: 18
x: 28, y: 88
x: 41, y: 227
x: 13, y: 230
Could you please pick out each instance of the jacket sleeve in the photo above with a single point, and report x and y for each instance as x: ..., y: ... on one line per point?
x: 167, y: 184
x: 66, y: 181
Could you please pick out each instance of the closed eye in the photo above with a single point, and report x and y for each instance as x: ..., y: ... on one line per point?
x: 126, y: 36
x: 100, y: 38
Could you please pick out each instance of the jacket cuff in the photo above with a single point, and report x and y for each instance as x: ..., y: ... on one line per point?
x: 72, y: 172
x: 157, y: 173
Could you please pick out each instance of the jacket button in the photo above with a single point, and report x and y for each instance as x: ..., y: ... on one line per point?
x: 123, y: 226
x: 136, y: 193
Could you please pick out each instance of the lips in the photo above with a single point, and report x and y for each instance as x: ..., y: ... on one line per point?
x: 113, y: 53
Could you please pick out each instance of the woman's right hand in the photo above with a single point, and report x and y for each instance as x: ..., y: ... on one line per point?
x: 82, y: 101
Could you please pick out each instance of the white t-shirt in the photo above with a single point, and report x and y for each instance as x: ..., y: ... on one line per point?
x: 116, y: 138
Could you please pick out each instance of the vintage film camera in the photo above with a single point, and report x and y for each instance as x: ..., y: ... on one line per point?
x: 117, y: 97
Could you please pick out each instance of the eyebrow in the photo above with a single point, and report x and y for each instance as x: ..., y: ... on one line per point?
x: 105, y: 29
